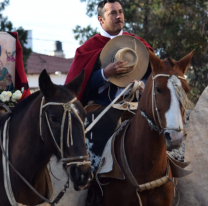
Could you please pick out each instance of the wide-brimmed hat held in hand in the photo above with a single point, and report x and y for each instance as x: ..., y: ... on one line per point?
x: 127, y: 49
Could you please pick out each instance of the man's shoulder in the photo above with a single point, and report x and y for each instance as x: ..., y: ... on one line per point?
x: 126, y: 33
x: 95, y: 39
x: 95, y: 42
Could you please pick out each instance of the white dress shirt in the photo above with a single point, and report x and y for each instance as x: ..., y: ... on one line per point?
x: 105, y: 34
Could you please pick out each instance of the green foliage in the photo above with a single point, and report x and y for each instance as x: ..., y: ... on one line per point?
x: 84, y: 34
x: 6, y: 25
x: 173, y: 28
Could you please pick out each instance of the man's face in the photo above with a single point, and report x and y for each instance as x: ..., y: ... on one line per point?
x: 113, y: 20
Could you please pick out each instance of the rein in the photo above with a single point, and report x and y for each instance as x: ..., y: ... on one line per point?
x: 6, y: 163
x: 180, y: 93
x: 149, y: 185
x: 131, y: 91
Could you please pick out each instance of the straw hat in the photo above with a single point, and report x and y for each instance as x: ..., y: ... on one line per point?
x: 129, y: 49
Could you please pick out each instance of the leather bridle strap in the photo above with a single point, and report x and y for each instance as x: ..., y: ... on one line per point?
x: 67, y: 109
x: 159, y: 128
x: 7, y: 185
x: 154, y: 102
x: 79, y: 160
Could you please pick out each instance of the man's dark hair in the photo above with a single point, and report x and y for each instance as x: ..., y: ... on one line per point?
x: 101, y: 5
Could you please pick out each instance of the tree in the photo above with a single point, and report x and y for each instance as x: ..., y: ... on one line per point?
x: 173, y: 28
x: 83, y: 34
x: 6, y: 25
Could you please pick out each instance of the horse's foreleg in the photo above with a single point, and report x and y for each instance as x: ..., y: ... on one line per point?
x: 119, y: 193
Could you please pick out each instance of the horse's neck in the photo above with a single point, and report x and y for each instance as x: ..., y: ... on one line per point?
x: 145, y: 147
x: 28, y: 153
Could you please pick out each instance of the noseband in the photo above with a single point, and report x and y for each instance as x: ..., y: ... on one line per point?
x: 79, y: 160
x: 161, y: 129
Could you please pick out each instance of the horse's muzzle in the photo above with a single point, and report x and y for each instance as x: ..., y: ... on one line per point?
x: 174, y: 139
x: 81, y: 176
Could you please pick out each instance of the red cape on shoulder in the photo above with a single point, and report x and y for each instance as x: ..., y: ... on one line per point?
x: 86, y: 56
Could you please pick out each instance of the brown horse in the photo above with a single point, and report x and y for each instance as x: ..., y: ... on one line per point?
x: 48, y: 122
x: 141, y: 149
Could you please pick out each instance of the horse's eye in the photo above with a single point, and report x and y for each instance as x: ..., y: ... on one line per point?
x: 54, y: 120
x: 158, y: 90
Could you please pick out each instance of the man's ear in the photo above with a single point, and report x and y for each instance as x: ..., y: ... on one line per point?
x: 100, y: 19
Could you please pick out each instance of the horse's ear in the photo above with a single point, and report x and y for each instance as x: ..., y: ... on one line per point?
x: 154, y: 61
x: 185, y: 61
x: 47, y: 87
x: 76, y: 84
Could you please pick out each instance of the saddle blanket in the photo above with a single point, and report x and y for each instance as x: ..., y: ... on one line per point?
x: 99, y: 151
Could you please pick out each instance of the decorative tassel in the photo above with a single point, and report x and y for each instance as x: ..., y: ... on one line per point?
x: 181, y: 94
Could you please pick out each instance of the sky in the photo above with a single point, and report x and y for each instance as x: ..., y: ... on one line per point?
x: 50, y: 21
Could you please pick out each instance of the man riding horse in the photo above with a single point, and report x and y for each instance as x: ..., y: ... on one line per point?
x: 108, y: 70
x: 106, y: 78
x: 111, y: 60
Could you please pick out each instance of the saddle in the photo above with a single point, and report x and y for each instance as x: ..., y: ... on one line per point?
x: 99, y: 135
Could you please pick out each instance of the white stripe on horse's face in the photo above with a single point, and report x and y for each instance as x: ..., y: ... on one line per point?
x: 173, y: 115
x: 76, y: 110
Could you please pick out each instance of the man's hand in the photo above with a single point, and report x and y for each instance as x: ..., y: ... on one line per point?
x: 115, y: 69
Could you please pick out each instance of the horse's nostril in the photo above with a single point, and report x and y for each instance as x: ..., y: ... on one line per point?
x: 75, y: 173
x: 167, y: 137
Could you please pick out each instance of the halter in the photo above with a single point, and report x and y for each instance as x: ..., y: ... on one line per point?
x: 181, y: 97
x: 67, y: 109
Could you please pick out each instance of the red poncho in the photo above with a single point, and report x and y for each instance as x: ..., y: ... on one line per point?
x: 20, y: 76
x: 86, y: 56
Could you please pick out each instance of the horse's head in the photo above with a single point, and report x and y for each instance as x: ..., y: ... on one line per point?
x: 62, y: 129
x: 168, y: 88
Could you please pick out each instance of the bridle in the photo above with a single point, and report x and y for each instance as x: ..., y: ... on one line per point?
x: 78, y: 160
x: 161, y: 129
x: 68, y: 108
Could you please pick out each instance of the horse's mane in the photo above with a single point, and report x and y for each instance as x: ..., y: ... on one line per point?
x: 171, y: 62
x: 26, y: 102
